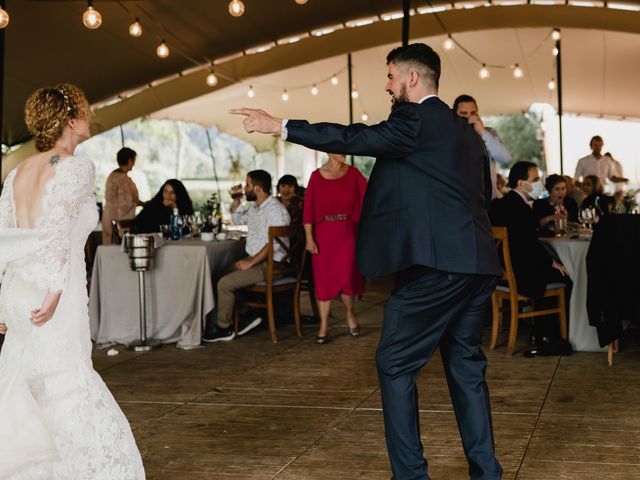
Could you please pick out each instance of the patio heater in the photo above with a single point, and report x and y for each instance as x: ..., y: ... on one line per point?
x: 141, y: 250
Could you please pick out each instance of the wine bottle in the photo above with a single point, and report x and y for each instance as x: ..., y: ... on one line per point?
x: 175, y: 226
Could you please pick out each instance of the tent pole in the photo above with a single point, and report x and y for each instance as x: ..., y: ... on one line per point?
x: 559, y: 77
x: 350, y: 71
x: 122, y: 135
x: 213, y: 159
x: 406, y: 5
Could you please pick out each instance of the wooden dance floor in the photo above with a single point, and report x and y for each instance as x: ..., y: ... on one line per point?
x: 252, y: 410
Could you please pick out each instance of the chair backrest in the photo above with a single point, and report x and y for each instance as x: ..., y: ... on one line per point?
x: 119, y: 228
x: 501, y: 237
x: 291, y: 241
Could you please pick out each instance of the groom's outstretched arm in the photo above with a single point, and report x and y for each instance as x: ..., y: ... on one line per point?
x: 396, y: 136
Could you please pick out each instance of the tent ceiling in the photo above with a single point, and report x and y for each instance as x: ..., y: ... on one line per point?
x: 46, y: 43
x: 601, y: 82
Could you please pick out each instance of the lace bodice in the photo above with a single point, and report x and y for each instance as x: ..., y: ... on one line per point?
x: 69, y: 214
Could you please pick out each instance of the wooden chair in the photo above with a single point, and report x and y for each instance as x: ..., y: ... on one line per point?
x: 613, y: 346
x: 119, y: 228
x: 510, y: 294
x: 282, y: 276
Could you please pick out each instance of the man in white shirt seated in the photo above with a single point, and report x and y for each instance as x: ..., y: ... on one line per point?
x: 266, y: 212
x: 465, y: 106
x: 597, y: 164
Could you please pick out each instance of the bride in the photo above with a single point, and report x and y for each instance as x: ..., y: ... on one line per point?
x: 58, y: 420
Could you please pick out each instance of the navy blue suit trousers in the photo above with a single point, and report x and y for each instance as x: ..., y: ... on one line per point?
x: 430, y: 308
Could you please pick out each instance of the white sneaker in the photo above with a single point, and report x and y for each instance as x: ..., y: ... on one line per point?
x: 250, y: 325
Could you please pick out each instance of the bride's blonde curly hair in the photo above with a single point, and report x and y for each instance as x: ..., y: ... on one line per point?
x: 48, y: 110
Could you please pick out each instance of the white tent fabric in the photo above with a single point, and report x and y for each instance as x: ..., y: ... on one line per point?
x: 600, y: 69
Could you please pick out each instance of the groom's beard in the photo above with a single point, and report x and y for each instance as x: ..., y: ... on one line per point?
x: 251, y: 196
x: 402, y: 97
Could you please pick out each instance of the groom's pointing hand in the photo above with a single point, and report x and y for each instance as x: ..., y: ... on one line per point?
x: 257, y: 120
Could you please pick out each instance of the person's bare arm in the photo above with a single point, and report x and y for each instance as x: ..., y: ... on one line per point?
x: 311, y: 245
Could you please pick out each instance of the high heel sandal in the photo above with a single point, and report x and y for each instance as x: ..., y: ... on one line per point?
x: 322, y: 339
x: 355, y: 331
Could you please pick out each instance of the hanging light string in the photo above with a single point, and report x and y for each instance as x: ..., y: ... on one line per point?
x: 450, y: 41
x: 162, y: 33
x: 212, y: 73
x: 495, y: 65
x: 306, y: 86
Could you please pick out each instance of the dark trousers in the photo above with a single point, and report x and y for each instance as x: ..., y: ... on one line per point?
x: 548, y: 326
x: 430, y: 308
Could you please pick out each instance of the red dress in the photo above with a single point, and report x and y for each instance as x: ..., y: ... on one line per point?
x: 333, y: 208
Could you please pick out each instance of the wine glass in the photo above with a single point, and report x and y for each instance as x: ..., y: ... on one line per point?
x: 236, y: 191
x: 594, y: 216
x: 585, y: 217
x: 581, y: 218
x: 589, y: 214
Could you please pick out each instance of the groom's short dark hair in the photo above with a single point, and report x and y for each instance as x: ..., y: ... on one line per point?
x: 421, y: 57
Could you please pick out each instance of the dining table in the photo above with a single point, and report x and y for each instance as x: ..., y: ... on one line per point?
x: 572, y: 250
x: 179, y: 291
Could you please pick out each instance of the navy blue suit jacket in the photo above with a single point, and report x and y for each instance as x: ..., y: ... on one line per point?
x: 428, y: 194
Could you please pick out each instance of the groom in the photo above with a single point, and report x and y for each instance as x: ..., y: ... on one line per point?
x: 424, y: 217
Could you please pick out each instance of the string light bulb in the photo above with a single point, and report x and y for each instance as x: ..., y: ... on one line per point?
x: 250, y: 92
x: 334, y: 80
x: 354, y: 93
x: 314, y: 90
x: 301, y: 2
x: 365, y: 117
x: 135, y: 29
x: 552, y: 84
x: 555, y: 51
x: 212, y: 80
x: 4, y: 18
x: 517, y: 72
x: 162, y: 51
x: 285, y: 96
x: 236, y: 8
x: 555, y: 34
x: 91, y: 17
x: 448, y: 43
x: 484, y: 72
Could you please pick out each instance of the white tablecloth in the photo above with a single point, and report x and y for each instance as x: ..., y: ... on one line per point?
x: 573, y: 255
x: 179, y: 291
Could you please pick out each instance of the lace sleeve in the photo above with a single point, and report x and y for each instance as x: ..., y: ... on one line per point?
x: 6, y: 204
x: 70, y: 189
x: 6, y: 211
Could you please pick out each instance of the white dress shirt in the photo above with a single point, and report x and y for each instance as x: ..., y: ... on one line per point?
x: 590, y: 165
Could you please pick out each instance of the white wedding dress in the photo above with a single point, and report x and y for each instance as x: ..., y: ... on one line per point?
x: 83, y: 432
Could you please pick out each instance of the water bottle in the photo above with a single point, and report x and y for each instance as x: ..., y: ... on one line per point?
x: 175, y: 226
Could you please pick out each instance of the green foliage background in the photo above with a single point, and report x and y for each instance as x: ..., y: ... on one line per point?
x: 520, y: 134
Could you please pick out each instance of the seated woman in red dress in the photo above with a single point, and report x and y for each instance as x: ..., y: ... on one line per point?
x: 332, y: 205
